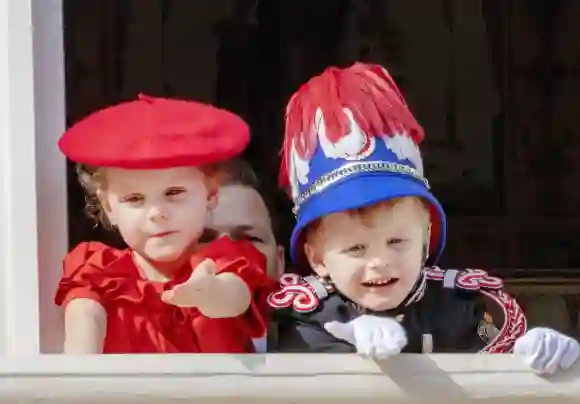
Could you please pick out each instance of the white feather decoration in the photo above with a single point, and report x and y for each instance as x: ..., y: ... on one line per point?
x: 353, y: 146
x: 405, y: 149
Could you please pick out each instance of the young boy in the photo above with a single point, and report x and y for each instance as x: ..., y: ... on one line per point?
x: 367, y: 225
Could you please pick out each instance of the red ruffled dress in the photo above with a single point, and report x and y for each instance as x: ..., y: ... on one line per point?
x: 139, y: 322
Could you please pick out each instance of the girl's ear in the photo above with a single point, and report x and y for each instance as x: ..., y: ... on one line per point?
x: 212, y: 199
x: 212, y: 184
x: 106, y: 207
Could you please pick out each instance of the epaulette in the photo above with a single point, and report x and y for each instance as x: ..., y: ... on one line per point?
x: 302, y: 294
x: 479, y: 281
x: 464, y: 279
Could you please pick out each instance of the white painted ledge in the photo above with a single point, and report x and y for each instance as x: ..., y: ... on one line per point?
x: 258, y: 379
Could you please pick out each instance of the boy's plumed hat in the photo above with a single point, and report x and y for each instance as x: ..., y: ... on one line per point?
x: 351, y: 141
x: 155, y: 133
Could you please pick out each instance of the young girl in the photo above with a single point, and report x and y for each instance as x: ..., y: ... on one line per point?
x: 366, y: 225
x: 150, y: 170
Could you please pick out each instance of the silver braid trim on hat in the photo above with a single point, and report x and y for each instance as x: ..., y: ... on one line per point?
x: 354, y: 168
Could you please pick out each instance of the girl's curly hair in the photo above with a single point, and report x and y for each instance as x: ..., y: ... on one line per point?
x: 92, y: 180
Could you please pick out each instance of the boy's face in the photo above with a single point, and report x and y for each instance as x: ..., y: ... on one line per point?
x: 159, y: 213
x: 373, y: 257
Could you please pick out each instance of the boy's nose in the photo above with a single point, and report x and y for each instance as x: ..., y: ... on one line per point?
x: 378, y: 262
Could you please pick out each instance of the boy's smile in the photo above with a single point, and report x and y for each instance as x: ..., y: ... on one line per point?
x: 377, y: 285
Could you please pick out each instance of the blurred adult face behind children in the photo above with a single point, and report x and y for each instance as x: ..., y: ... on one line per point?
x: 243, y: 212
x: 373, y: 255
x: 159, y: 213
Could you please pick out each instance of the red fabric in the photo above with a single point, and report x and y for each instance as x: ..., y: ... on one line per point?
x: 139, y: 322
x: 244, y: 260
x: 153, y: 133
x: 367, y: 90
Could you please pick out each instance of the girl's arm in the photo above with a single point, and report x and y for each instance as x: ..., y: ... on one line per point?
x: 85, y: 327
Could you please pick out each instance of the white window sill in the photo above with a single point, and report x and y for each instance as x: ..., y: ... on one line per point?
x: 278, y: 379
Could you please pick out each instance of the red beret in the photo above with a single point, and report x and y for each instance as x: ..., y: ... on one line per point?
x: 154, y: 133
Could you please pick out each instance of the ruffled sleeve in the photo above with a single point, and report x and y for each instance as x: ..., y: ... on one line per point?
x: 243, y: 259
x: 78, y: 267
x: 105, y: 274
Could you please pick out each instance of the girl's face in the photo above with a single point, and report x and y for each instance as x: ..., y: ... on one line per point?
x: 159, y: 213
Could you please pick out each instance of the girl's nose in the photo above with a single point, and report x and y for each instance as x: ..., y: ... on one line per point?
x: 156, y: 212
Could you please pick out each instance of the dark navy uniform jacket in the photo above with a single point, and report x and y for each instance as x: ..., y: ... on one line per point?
x: 454, y: 319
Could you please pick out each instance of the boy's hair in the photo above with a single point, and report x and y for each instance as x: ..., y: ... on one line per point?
x: 93, y: 181
x: 365, y: 210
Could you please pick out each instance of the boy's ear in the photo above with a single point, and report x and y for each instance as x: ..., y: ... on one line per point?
x: 315, y: 260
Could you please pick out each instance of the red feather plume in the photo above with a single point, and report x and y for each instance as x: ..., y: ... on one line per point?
x: 367, y: 90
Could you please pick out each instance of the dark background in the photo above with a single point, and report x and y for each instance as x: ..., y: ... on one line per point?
x: 495, y: 83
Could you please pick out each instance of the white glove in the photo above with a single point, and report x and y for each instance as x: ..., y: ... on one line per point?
x: 376, y: 337
x: 545, y: 350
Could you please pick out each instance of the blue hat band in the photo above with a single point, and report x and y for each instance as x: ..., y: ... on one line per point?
x: 327, y: 180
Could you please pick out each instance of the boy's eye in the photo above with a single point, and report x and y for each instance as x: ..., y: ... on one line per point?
x: 356, y: 248
x: 174, y: 191
x: 395, y: 241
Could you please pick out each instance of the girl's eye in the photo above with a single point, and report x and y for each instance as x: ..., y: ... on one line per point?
x: 174, y: 191
x: 132, y: 199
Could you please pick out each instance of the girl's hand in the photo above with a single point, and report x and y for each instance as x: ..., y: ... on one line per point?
x: 222, y: 295
x: 197, y: 290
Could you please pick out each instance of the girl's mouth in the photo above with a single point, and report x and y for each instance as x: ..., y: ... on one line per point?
x: 162, y: 234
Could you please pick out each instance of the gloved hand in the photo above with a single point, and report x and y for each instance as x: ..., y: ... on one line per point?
x: 373, y: 336
x: 546, y: 350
